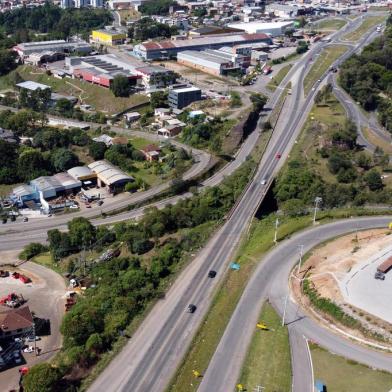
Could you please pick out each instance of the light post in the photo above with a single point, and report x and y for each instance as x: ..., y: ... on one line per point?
x: 276, y: 231
x: 301, y: 249
x: 284, y: 309
x: 317, y: 202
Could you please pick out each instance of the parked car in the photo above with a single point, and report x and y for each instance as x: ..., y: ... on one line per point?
x: 25, y: 219
x: 28, y: 349
x: 191, y: 308
x: 33, y: 338
x: 379, y: 275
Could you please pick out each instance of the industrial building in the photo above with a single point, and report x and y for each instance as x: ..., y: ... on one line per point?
x: 273, y: 29
x: 170, y: 48
x: 100, y: 69
x: 58, y: 46
x: 109, y: 175
x: 108, y: 37
x: 217, y: 62
x: 182, y: 97
x: 49, y: 187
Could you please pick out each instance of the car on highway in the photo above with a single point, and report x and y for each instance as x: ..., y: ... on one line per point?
x: 212, y: 274
x: 191, y: 308
x: 263, y: 181
x: 278, y: 156
x: 25, y: 219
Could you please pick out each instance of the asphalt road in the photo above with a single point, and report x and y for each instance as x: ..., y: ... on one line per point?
x: 150, y: 358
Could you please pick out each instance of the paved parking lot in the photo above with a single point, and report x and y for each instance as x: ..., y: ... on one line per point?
x: 361, y: 289
x: 45, y: 297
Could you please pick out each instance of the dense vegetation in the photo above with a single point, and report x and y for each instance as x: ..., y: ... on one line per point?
x: 147, y: 28
x: 156, y: 7
x: 51, y: 20
x: 152, y: 250
x: 367, y: 77
x: 337, y: 170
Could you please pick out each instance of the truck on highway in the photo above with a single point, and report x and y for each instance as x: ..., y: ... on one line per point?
x: 383, y: 268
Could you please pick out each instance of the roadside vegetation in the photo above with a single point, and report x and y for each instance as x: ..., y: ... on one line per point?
x: 321, y: 65
x: 268, y: 362
x: 367, y: 77
x: 341, y: 374
x: 152, y: 250
x: 330, y: 24
x: 365, y: 26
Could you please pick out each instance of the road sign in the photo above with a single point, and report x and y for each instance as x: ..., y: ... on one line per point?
x: 240, y: 387
x: 261, y: 326
x: 196, y: 373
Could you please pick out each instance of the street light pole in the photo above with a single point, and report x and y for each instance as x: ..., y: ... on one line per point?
x: 317, y: 201
x: 301, y: 249
x: 276, y: 231
x: 284, y: 309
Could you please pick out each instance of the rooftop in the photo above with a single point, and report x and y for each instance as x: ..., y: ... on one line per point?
x: 109, y: 173
x: 45, y: 183
x: 14, y: 319
x: 33, y: 86
x: 185, y: 89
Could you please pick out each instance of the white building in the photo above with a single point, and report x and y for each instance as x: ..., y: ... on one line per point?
x: 66, y: 4
x: 96, y: 3
x: 274, y: 28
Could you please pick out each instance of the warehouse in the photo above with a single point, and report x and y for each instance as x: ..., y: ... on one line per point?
x: 83, y: 174
x: 59, y: 46
x: 109, y: 175
x: 108, y: 37
x: 59, y: 184
x: 274, y: 29
x: 169, y: 49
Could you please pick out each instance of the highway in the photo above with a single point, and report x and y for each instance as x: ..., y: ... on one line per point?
x: 150, y: 358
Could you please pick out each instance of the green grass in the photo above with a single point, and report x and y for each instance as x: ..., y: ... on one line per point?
x: 6, y: 189
x: 276, y: 80
x: 101, y: 98
x: 366, y: 25
x: 268, y: 362
x: 321, y: 65
x: 139, y: 142
x: 330, y: 24
x: 343, y: 375
x: 45, y: 259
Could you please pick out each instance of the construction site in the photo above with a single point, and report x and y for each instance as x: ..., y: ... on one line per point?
x: 353, y: 272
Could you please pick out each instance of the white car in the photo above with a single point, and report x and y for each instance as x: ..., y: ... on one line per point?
x: 263, y: 181
x: 28, y: 349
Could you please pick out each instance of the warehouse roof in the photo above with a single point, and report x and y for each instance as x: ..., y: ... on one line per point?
x: 210, y: 57
x: 67, y: 180
x: 23, y: 190
x: 209, y: 40
x: 109, y: 173
x: 109, y: 32
x: 80, y: 172
x: 185, y: 90
x: 260, y: 25
x: 30, y: 85
x: 45, y: 183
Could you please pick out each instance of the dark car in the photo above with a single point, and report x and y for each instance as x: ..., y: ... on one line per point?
x: 379, y: 275
x: 212, y: 274
x: 191, y: 308
x: 278, y: 156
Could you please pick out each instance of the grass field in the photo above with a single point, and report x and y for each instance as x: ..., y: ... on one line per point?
x: 366, y: 25
x: 376, y: 140
x: 276, y: 80
x: 101, y: 98
x: 6, y: 189
x: 342, y: 375
x: 330, y: 24
x: 321, y: 65
x: 268, y: 362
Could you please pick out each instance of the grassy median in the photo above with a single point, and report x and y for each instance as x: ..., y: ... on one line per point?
x: 322, y: 64
x: 340, y: 374
x: 268, y: 362
x: 330, y: 24
x: 366, y: 25
x: 276, y: 80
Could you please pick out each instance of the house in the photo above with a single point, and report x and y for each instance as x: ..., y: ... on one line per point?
x: 131, y: 117
x: 7, y: 136
x: 151, y: 152
x: 160, y: 112
x: 16, y: 322
x: 169, y: 131
x: 108, y: 140
x: 195, y: 113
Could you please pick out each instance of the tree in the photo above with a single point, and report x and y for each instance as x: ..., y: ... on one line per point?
x: 97, y: 150
x: 200, y: 12
x: 32, y: 164
x: 302, y: 47
x: 7, y: 61
x: 63, y: 159
x: 42, y: 378
x: 31, y: 250
x: 120, y: 86
x: 235, y: 99
x: 159, y: 99
x: 258, y: 100
x: 81, y: 232
x: 64, y: 106
x: 373, y: 180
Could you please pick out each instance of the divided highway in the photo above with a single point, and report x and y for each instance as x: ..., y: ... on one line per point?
x: 150, y: 358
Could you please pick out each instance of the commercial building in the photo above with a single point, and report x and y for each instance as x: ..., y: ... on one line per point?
x: 58, y: 46
x: 156, y: 76
x: 29, y: 85
x: 108, y: 37
x: 49, y: 187
x: 100, y: 69
x: 169, y: 49
x: 274, y: 28
x: 182, y: 97
x: 83, y: 174
x: 209, y: 30
x: 109, y: 175
x: 216, y: 62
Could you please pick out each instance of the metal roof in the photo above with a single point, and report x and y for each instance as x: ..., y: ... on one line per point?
x: 80, y: 172
x: 46, y: 183
x: 109, y: 173
x: 30, y: 85
x: 23, y: 190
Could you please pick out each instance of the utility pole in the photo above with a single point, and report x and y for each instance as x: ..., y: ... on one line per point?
x: 35, y: 340
x: 301, y: 249
x: 276, y: 231
x: 284, y: 309
x: 317, y: 202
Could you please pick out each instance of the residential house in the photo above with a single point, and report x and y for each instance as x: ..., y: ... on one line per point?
x: 15, y: 322
x: 151, y: 152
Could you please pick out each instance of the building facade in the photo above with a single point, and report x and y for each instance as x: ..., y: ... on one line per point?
x: 182, y: 97
x: 106, y: 37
